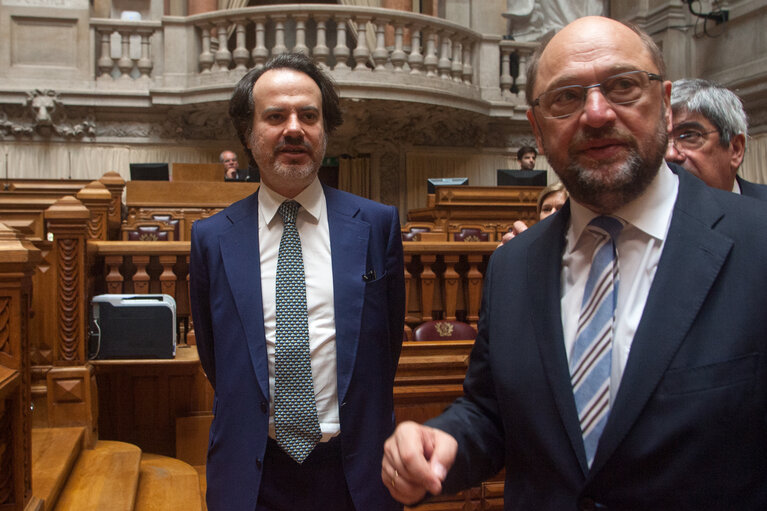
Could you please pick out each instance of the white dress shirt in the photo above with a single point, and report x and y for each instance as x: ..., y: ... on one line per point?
x: 312, y: 224
x: 639, y: 249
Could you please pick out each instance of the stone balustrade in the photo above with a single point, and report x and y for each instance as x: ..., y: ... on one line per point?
x: 370, y: 52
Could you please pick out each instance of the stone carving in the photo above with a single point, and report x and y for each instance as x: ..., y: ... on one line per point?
x: 44, y: 115
x: 531, y: 20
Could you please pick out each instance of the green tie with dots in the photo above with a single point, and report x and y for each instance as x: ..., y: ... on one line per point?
x: 295, y: 411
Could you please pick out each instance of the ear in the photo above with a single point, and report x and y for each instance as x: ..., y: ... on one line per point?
x: 737, y: 150
x: 536, y: 131
x: 667, y: 106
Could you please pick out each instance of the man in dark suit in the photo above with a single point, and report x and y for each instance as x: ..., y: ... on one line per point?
x: 676, y: 387
x: 302, y: 357
x: 709, y: 135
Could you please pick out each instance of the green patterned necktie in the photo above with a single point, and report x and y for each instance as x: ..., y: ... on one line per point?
x: 295, y: 411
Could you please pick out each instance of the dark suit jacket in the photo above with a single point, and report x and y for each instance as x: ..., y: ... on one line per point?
x: 225, y: 289
x: 750, y: 189
x: 688, y: 429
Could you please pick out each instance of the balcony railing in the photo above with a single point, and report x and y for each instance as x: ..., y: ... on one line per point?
x: 363, y: 49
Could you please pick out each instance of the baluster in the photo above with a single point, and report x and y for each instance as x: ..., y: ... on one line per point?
x: 125, y: 64
x: 300, y: 46
x: 444, y: 58
x: 240, y: 53
x: 428, y: 279
x: 521, y: 81
x: 321, y: 51
x: 105, y: 63
x: 398, y: 56
x: 167, y: 277
x: 279, y: 35
x: 113, y: 278
x: 451, y: 286
x: 380, y: 54
x: 457, y: 66
x: 145, y: 62
x: 430, y: 60
x: 415, y: 59
x: 206, y: 57
x: 141, y: 277
x: 223, y: 55
x: 96, y: 198
x: 341, y: 51
x: 506, y: 79
x: 361, y: 53
x: 474, y: 278
x: 408, y: 282
x: 260, y: 53
x: 468, y: 71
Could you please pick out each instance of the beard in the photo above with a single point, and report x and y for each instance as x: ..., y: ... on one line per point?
x: 291, y: 171
x: 606, y: 185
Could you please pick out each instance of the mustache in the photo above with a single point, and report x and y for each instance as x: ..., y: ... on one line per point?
x: 292, y: 143
x: 589, y: 133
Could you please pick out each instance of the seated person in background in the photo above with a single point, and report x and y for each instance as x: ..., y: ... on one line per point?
x: 526, y: 157
x: 551, y: 200
x: 709, y: 135
x: 232, y: 172
x: 229, y: 160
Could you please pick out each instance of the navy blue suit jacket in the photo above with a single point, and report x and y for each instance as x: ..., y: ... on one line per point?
x: 750, y: 189
x: 688, y: 429
x: 225, y: 289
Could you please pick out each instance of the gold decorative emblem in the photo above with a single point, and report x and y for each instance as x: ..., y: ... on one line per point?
x: 148, y: 236
x: 444, y: 329
x: 471, y: 237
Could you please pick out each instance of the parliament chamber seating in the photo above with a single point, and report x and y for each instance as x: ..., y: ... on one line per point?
x: 443, y: 330
x: 147, y: 231
x: 471, y: 232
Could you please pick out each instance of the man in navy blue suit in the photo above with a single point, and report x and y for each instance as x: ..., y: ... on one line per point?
x: 681, y: 421
x: 709, y: 135
x: 351, y: 252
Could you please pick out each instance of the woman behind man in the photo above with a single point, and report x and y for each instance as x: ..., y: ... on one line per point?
x: 551, y: 200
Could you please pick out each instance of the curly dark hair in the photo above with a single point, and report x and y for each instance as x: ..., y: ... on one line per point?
x: 241, y: 107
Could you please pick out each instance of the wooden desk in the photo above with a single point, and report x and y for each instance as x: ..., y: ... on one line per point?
x: 185, y: 194
x: 139, y: 400
x: 197, y: 172
x: 479, y: 204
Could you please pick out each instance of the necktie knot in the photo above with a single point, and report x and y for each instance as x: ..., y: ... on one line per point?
x: 606, y: 225
x: 288, y: 210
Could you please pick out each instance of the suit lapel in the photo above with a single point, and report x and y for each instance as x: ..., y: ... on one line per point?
x: 692, y: 258
x: 240, y: 254
x: 543, y: 284
x: 349, y: 238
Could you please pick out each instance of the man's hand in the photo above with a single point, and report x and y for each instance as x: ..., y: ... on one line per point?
x: 416, y: 460
x: 231, y: 173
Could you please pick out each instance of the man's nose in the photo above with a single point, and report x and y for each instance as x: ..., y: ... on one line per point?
x: 293, y: 127
x: 673, y: 154
x: 597, y: 110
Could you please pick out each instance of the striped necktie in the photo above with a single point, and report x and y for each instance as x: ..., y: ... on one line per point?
x: 591, y: 358
x: 296, y: 425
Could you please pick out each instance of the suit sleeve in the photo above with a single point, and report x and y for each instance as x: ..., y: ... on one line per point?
x: 395, y: 268
x: 474, y: 419
x: 199, y: 296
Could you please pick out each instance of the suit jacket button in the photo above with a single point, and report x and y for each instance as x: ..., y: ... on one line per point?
x: 258, y: 464
x: 264, y: 409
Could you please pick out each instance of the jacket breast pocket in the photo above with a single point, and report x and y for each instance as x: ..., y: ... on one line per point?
x: 740, y: 371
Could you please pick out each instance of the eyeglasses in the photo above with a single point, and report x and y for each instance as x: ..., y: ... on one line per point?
x: 690, y: 139
x: 620, y: 89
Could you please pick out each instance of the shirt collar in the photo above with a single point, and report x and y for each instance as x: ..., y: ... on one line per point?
x: 310, y: 199
x: 650, y: 212
x: 736, y: 187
